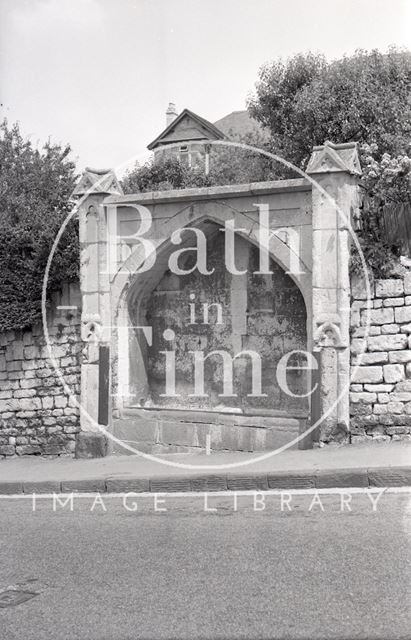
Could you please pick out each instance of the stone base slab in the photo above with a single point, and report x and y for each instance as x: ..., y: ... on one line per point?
x: 185, y: 432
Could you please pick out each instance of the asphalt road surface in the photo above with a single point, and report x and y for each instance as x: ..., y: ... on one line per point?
x: 118, y: 574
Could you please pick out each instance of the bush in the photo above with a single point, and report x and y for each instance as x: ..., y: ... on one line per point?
x: 35, y: 189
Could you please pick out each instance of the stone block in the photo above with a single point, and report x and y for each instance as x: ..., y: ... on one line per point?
x: 209, y: 483
x: 400, y: 356
x: 403, y: 420
x: 185, y: 434
x: 127, y: 485
x: 407, y: 299
x: 28, y: 449
x: 367, y: 374
x: 31, y: 353
x: 24, y: 393
x: 355, y: 318
x: 391, y: 431
x: 403, y: 386
x: 7, y: 450
x: 326, y: 478
x: 256, y: 482
x: 90, y: 444
x: 30, y: 383
x: 402, y: 314
x: 408, y: 370
x: 170, y: 484
x: 360, y: 439
x: 10, y: 488
x: 9, y: 405
x: 390, y: 477
x: 407, y: 284
x: 14, y: 365
x: 367, y: 398
x: 394, y: 372
x: 47, y: 402
x: 383, y: 397
x: 401, y: 396
x: 380, y: 409
x: 46, y: 486
x: 389, y: 288
x: 395, y: 407
x: 360, y: 332
x: 393, y: 302
x: 60, y: 402
x: 358, y: 287
x: 374, y: 331
x: 358, y: 345
x: 379, y: 388
x: 377, y: 357
x: 136, y: 429
x: 17, y: 350
x: 356, y: 387
x: 405, y: 328
x: 91, y: 485
x: 378, y: 316
x: 387, y: 343
x: 390, y: 328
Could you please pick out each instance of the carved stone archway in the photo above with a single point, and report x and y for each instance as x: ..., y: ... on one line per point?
x: 319, y: 212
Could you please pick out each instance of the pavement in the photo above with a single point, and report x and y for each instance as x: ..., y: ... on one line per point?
x: 363, y: 465
x: 191, y: 574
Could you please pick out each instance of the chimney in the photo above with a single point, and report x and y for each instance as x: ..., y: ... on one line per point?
x: 171, y: 113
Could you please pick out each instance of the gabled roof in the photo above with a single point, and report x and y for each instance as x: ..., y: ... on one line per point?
x: 102, y: 181
x: 240, y: 123
x: 331, y: 157
x: 187, y: 127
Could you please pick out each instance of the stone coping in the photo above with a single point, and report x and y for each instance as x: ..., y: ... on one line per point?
x: 207, y: 193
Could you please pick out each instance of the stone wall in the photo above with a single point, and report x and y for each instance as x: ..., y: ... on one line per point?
x: 380, y: 398
x: 36, y: 415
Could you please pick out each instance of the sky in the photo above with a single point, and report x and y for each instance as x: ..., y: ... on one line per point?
x: 99, y: 74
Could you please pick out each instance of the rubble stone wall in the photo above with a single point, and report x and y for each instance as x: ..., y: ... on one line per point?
x: 37, y: 416
x: 380, y: 393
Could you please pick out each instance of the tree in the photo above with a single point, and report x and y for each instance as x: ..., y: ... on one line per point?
x: 364, y: 98
x: 35, y: 189
x: 307, y: 100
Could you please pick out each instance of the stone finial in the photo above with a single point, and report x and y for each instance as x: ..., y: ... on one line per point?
x: 331, y: 158
x: 98, y: 181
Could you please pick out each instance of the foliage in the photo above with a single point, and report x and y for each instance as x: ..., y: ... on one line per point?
x: 386, y: 180
x: 228, y: 165
x: 35, y: 188
x: 364, y: 98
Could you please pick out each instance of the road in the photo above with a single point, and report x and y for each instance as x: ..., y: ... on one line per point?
x: 112, y: 573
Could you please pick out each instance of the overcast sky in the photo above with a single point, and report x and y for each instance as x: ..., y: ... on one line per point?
x: 100, y: 73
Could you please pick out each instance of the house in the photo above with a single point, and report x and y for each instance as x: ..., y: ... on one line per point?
x: 187, y: 136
